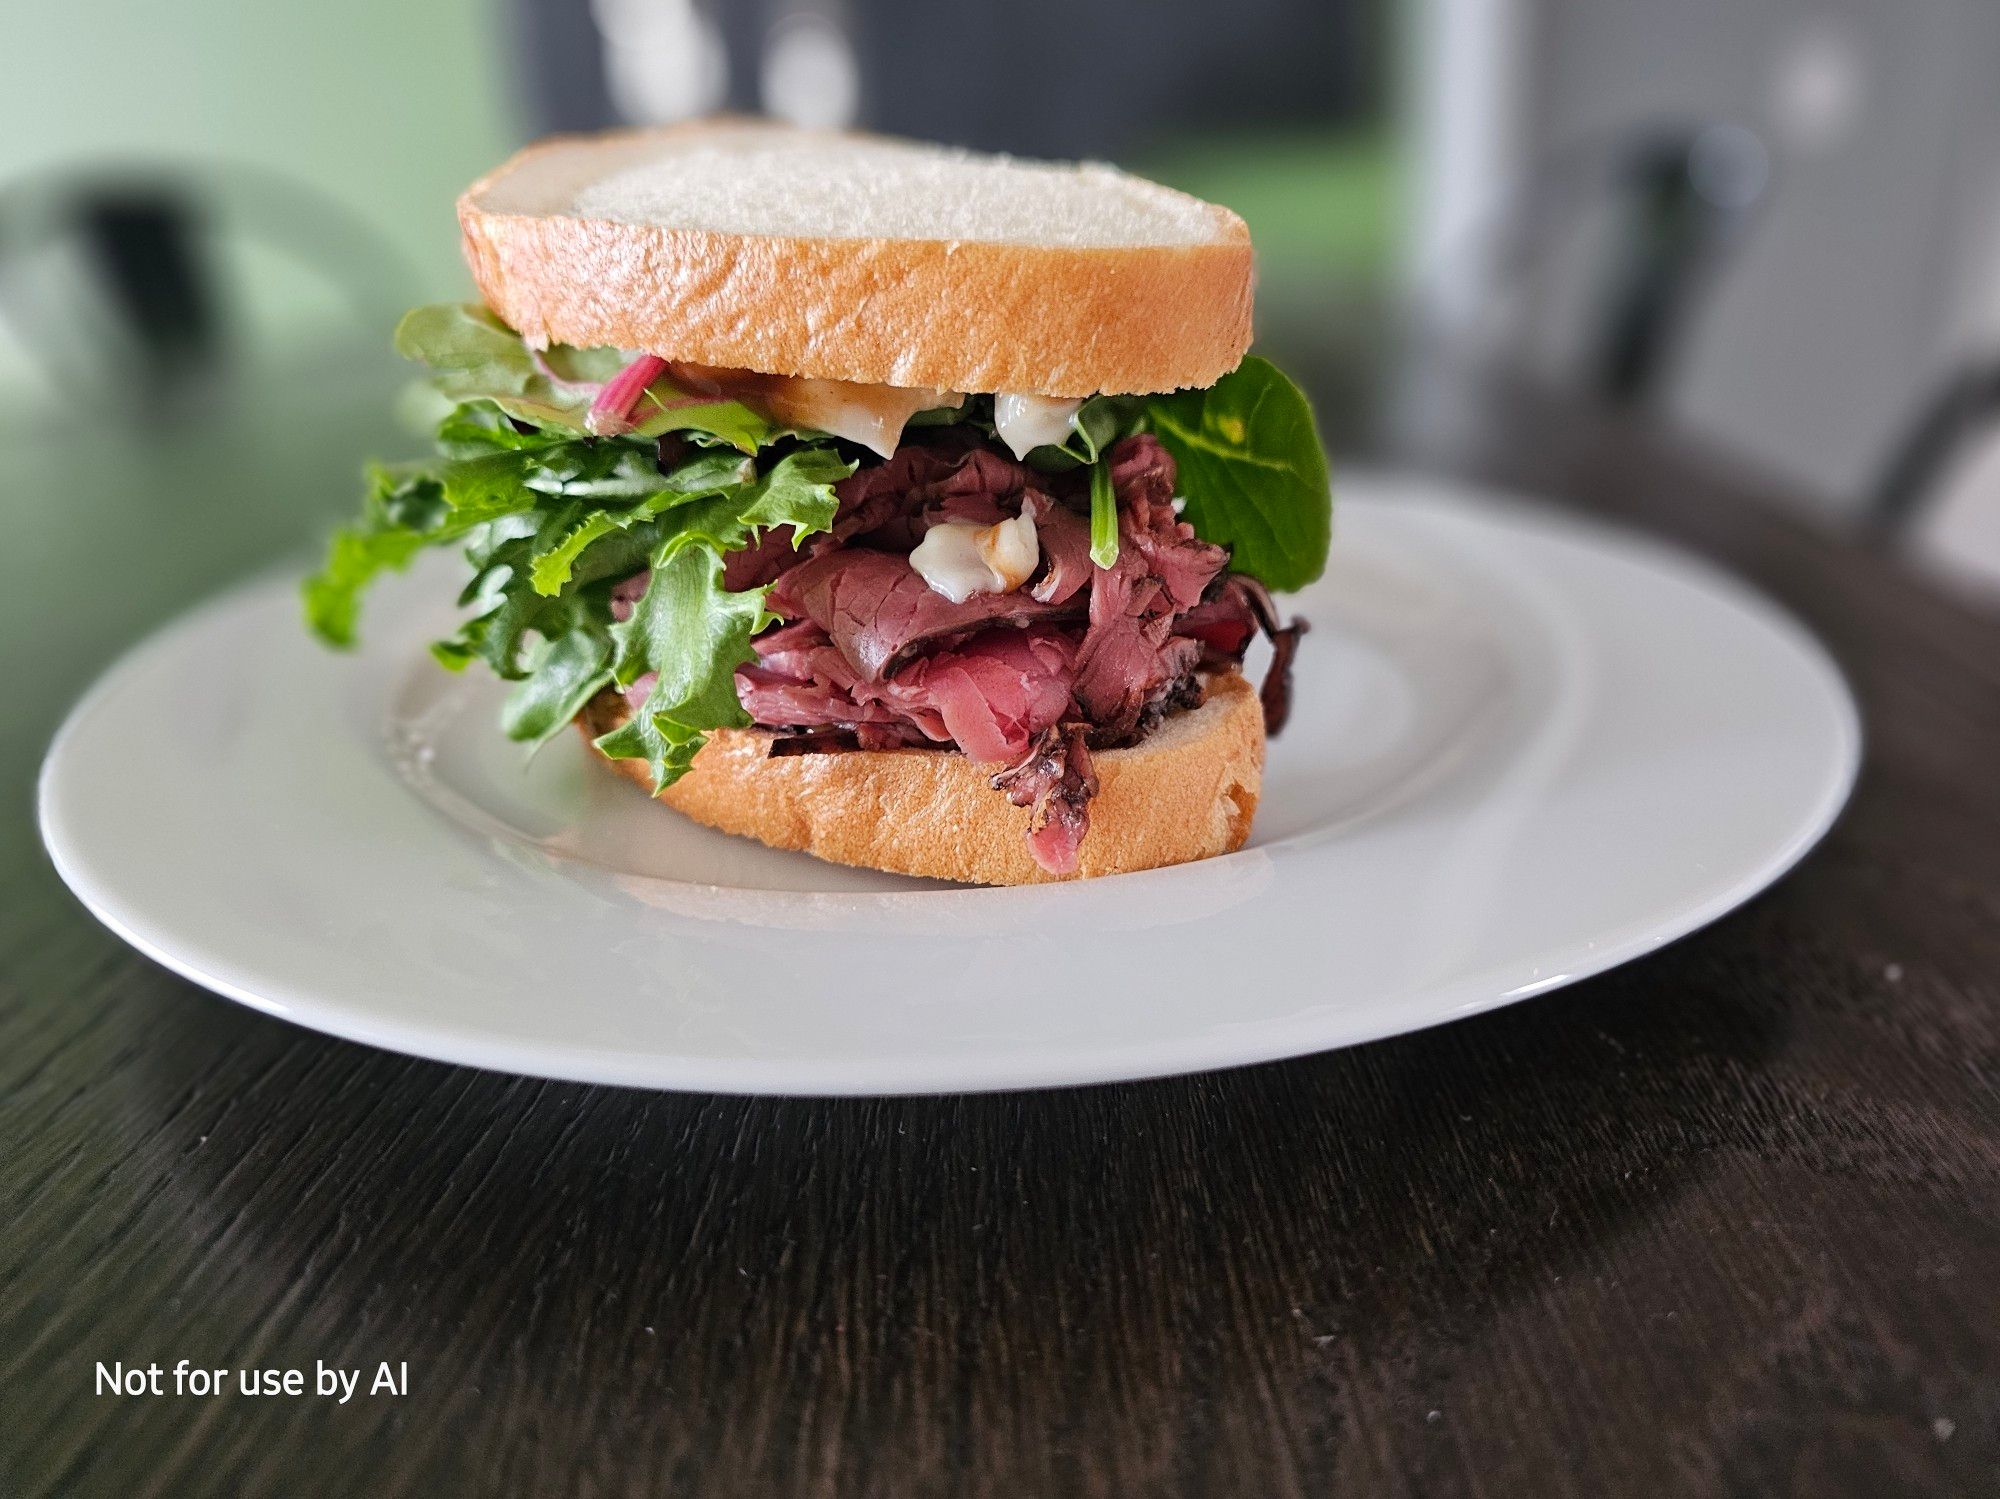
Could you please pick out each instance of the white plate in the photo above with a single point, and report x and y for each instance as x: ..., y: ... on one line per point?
x: 1525, y: 749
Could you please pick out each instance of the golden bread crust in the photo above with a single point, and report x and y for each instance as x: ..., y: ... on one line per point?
x: 1187, y: 791
x: 961, y: 315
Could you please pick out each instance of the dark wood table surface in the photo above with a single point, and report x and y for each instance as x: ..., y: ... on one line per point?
x: 1720, y: 1222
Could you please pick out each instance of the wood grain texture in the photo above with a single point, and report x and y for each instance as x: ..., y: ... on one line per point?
x: 1720, y: 1222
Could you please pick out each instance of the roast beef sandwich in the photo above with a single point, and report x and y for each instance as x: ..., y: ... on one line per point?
x: 912, y: 508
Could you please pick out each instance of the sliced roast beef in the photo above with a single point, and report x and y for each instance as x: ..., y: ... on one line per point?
x: 1142, y: 472
x: 1064, y: 539
x: 802, y: 651
x: 870, y: 657
x: 1254, y: 600
x: 877, y: 609
x: 1122, y: 671
x: 1222, y: 623
x: 800, y: 681
x: 990, y: 695
x: 1276, y: 692
x: 1141, y: 469
x: 762, y: 561
x: 1132, y: 656
x: 891, y: 504
x: 1057, y: 779
x: 778, y: 700
x: 994, y: 694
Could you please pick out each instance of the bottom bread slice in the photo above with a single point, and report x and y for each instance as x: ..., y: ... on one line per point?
x: 1188, y: 790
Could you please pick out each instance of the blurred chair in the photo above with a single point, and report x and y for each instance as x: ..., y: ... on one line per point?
x: 208, y: 344
x: 1597, y: 267
x: 133, y: 288
x: 1060, y: 78
x: 1939, y: 494
x: 1591, y: 275
x: 1688, y: 198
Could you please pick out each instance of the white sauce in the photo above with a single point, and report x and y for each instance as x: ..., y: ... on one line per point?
x: 958, y: 559
x: 1025, y: 422
x: 872, y: 415
x: 1011, y: 550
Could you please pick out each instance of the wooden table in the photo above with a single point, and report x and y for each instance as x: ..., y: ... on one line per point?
x: 1723, y: 1221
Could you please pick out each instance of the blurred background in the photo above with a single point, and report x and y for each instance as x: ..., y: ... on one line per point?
x: 1772, y: 225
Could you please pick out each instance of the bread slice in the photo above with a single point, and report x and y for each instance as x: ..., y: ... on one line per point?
x: 1186, y: 791
x: 793, y: 252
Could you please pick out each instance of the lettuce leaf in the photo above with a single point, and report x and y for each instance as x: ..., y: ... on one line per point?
x: 405, y: 508
x: 503, y: 606
x: 1103, y: 516
x: 692, y: 633
x: 476, y: 357
x: 1249, y: 459
x: 1099, y: 422
x: 567, y: 672
x: 800, y: 503
x: 689, y: 630
x: 354, y: 558
x: 1253, y: 471
x: 552, y: 519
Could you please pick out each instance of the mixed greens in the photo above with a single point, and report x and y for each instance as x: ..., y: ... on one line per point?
x: 554, y: 506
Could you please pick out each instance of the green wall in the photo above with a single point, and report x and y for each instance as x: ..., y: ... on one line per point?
x: 390, y: 106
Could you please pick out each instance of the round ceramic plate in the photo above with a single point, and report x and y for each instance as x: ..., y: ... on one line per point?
x: 1525, y: 749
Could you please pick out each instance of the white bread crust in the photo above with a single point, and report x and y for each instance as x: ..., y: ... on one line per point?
x: 965, y: 315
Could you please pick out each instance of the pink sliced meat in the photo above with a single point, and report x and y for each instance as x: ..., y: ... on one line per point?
x: 869, y: 657
x: 994, y: 694
x: 877, y: 609
x: 1131, y: 655
x: 893, y: 503
x: 1057, y: 780
x: 991, y: 695
x: 1064, y: 539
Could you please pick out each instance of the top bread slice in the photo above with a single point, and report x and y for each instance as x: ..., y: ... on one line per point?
x: 791, y: 252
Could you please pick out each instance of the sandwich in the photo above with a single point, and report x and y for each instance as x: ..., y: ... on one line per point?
x: 911, y: 508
